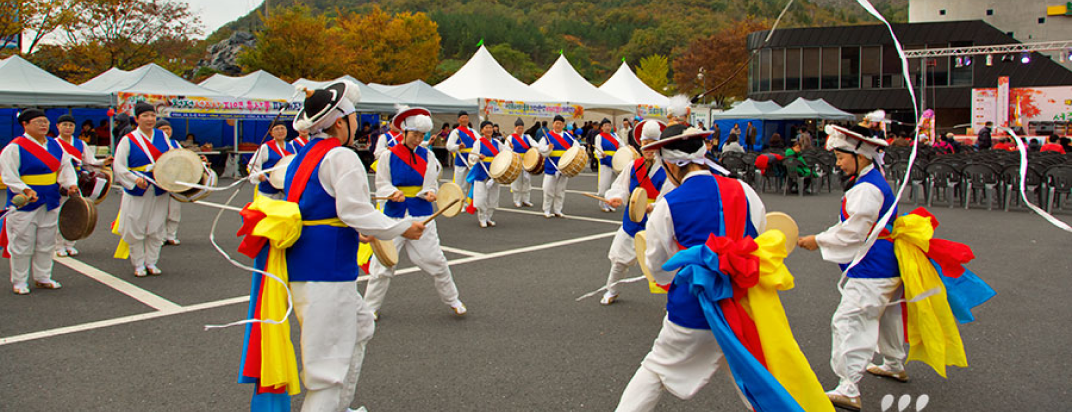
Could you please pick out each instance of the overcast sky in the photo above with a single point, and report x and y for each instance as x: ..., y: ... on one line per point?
x: 215, y: 13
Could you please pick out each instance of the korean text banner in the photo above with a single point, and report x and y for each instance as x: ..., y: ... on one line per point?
x: 195, y: 107
x: 511, y: 108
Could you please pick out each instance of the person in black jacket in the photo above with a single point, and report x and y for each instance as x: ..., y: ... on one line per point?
x: 983, y: 141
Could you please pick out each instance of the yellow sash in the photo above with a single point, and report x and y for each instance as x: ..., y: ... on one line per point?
x: 410, y: 191
x: 557, y: 153
x: 40, y: 180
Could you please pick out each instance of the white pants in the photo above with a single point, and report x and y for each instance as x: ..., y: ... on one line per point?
x: 427, y: 255
x: 459, y: 177
x: 554, y: 192
x: 605, y: 180
x: 622, y: 255
x: 142, y: 223
x: 857, y: 332
x: 62, y: 243
x: 174, y: 214
x: 336, y: 325
x: 31, y: 240
x: 522, y: 188
x: 682, y: 361
x: 486, y: 198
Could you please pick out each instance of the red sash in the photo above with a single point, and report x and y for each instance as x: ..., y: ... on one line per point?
x: 307, y: 166
x: 735, y: 216
x: 281, y: 151
x: 611, y: 139
x: 71, y: 150
x: 398, y: 137
x: 560, y: 140
x: 301, y: 142
x: 462, y: 130
x: 488, y: 144
x: 39, y: 152
x: 520, y: 141
x: 640, y: 172
x: 410, y: 158
x: 153, y: 152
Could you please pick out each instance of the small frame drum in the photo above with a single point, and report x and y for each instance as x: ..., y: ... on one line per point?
x: 638, y: 205
x: 208, y: 178
x: 623, y: 158
x: 277, y: 177
x: 533, y: 161
x: 784, y: 223
x: 640, y: 242
x: 78, y: 218
x: 505, y: 167
x: 95, y: 184
x: 385, y: 251
x: 573, y: 161
x: 177, y: 165
x: 448, y: 193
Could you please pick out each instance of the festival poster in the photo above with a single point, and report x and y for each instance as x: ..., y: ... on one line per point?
x: 645, y: 111
x: 1034, y: 104
x: 519, y: 109
x: 196, y: 107
x: 1003, y: 102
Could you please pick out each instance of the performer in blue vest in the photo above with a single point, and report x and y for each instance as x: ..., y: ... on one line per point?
x: 407, y: 174
x: 872, y: 283
x: 520, y: 143
x: 389, y: 139
x: 80, y: 155
x: 174, y: 215
x: 35, y: 166
x: 643, y: 173
x: 268, y: 155
x: 460, y: 142
x: 686, y: 354
x: 606, y: 145
x: 485, y: 189
x: 144, y: 208
x: 328, y: 182
x: 552, y: 146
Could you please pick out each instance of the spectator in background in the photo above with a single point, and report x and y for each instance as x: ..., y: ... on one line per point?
x: 736, y: 131
x: 716, y: 132
x: 495, y: 131
x: 796, y: 151
x: 122, y: 126
x: 941, y: 147
x: 440, y: 138
x: 1006, y: 145
x: 103, y: 137
x: 750, y: 138
x: 983, y: 140
x: 804, y: 138
x: 776, y: 143
x: 1053, y: 145
x: 190, y: 142
x: 732, y: 146
x: 1066, y: 143
x: 701, y: 125
x: 900, y: 141
x: 88, y: 134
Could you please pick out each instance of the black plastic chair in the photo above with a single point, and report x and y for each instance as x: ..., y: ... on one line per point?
x: 793, y: 176
x: 1058, y: 182
x: 984, y: 177
x: 943, y: 176
x: 1033, y: 182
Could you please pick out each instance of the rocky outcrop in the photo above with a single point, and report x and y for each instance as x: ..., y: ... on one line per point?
x: 222, y: 57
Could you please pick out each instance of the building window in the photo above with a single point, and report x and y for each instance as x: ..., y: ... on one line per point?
x: 989, y: 12
x: 792, y: 69
x: 754, y: 75
x: 1010, y: 34
x: 764, y: 70
x: 892, y: 77
x: 850, y: 67
x: 778, y: 70
x: 810, y: 68
x: 871, y: 67
x: 831, y: 68
x: 941, y: 12
x: 1042, y: 20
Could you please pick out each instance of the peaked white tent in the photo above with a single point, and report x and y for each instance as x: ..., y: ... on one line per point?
x: 484, y: 78
x: 802, y: 108
x: 24, y: 84
x: 259, y: 85
x: 147, y: 79
x: 419, y: 93
x: 564, y: 83
x: 825, y: 107
x: 625, y: 85
x: 372, y: 100
x: 749, y: 109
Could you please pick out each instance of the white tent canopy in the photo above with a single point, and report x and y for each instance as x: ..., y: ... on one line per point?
x: 749, y: 109
x: 22, y: 84
x: 625, y: 85
x: 147, y: 79
x: 371, y: 99
x: 484, y: 78
x: 259, y: 85
x: 802, y: 108
x: 421, y: 94
x: 564, y: 83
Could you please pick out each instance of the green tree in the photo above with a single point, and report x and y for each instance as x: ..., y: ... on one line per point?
x: 127, y: 31
x: 654, y: 71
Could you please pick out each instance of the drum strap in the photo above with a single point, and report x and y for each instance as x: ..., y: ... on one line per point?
x: 640, y: 172
x: 607, y: 137
x: 520, y: 141
x: 146, y: 145
x: 309, y: 165
x: 281, y: 151
x: 396, y: 136
x: 410, y: 158
x: 488, y: 144
x: 71, y: 150
x: 560, y: 140
x: 39, y: 152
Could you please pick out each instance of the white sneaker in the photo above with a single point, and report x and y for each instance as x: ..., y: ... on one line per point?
x: 72, y: 251
x: 491, y: 223
x: 608, y: 298
x: 517, y: 205
x: 361, y: 409
x: 140, y: 272
x: 153, y: 270
x: 483, y: 224
x: 527, y: 204
x: 61, y: 252
x: 459, y: 308
x: 547, y: 216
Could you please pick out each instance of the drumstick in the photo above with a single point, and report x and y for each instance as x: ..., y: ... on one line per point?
x: 601, y: 199
x: 440, y: 211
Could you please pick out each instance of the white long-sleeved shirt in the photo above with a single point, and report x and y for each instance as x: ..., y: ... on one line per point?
x: 662, y: 243
x: 863, y: 202
x: 620, y: 188
x: 122, y: 172
x: 385, y: 187
x: 343, y: 177
x: 598, y: 148
x: 10, y: 162
x: 381, y: 146
x: 256, y: 164
x: 87, y: 156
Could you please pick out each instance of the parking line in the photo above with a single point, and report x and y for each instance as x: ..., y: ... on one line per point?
x: 141, y: 295
x: 574, y: 217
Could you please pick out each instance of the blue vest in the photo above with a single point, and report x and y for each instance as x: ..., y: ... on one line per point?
x: 696, y: 208
x: 481, y: 172
x: 548, y: 166
x: 138, y: 158
x: 517, y: 147
x: 404, y: 175
x: 880, y: 261
x: 323, y: 253
x: 608, y: 149
x: 47, y: 195
x: 273, y: 158
x: 81, y: 146
x: 657, y: 180
x: 468, y: 141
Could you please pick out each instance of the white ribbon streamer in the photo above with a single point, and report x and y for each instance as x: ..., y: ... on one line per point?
x: 620, y: 282
x: 1023, y: 186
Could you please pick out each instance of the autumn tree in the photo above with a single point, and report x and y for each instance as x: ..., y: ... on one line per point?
x: 34, y: 19
x: 389, y: 49
x: 724, y: 58
x: 654, y: 71
x: 127, y: 31
x: 296, y: 43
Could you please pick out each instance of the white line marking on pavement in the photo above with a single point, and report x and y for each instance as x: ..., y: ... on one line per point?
x: 460, y: 251
x: 574, y: 217
x: 141, y: 295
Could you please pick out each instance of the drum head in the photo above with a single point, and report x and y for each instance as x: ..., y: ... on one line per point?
x: 78, y: 218
x: 567, y: 157
x: 449, y: 192
x: 784, y: 223
x: 500, y: 164
x: 385, y: 251
x: 177, y: 165
x: 638, y: 205
x: 640, y: 242
x: 532, y: 160
x: 277, y: 177
x: 623, y: 158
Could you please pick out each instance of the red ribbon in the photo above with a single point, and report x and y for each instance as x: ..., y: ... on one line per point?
x: 736, y: 260
x: 950, y: 256
x: 251, y: 244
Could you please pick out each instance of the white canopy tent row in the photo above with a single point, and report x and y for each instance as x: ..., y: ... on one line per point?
x: 748, y: 109
x: 22, y: 84
x: 625, y: 85
x: 419, y: 93
x: 802, y: 108
x: 372, y: 100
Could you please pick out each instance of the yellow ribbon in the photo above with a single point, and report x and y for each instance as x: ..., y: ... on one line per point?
x: 933, y: 336
x: 557, y: 153
x: 783, y: 355
x: 39, y: 180
x: 123, y: 250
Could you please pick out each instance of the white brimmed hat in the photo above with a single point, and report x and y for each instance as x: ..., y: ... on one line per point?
x: 853, y: 141
x: 324, y: 106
